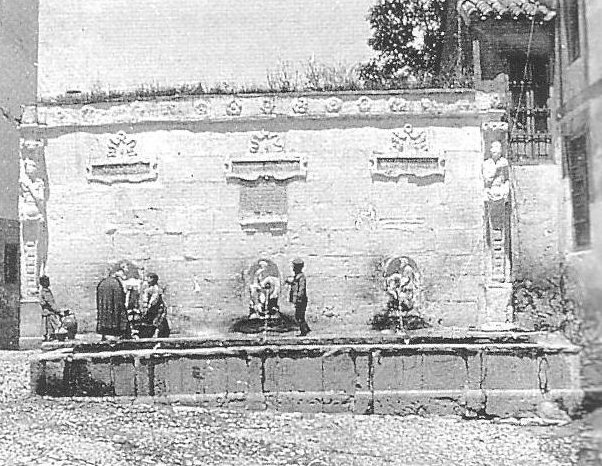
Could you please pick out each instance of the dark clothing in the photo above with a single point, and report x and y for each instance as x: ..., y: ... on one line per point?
x: 298, y: 296
x: 50, y: 314
x: 110, y: 302
x: 300, y: 309
x: 298, y: 291
x: 69, y: 323
x: 155, y: 317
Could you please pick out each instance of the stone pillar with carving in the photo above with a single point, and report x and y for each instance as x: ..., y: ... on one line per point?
x: 33, y: 196
x: 496, y: 198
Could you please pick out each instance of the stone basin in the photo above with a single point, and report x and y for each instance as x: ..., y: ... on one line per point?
x: 475, y: 374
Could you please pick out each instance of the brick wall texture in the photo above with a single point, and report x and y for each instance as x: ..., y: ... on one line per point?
x: 185, y: 226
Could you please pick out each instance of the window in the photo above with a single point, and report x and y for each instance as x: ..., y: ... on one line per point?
x: 528, y: 113
x: 11, y: 264
x: 576, y: 149
x: 572, y: 28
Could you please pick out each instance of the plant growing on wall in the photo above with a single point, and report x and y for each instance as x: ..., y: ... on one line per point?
x: 409, y: 37
x: 545, y: 306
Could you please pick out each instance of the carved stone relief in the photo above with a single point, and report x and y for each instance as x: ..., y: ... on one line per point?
x: 410, y: 155
x: 121, y: 163
x: 261, y: 172
x: 33, y: 197
x: 496, y: 184
x: 266, y: 159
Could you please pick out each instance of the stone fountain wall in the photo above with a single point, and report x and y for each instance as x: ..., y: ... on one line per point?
x: 198, y: 189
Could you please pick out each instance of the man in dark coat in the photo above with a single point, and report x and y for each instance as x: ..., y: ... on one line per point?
x: 298, y: 295
x: 110, y: 302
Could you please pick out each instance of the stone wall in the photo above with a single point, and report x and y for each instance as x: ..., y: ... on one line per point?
x: 363, y: 376
x: 536, y: 222
x: 580, y: 104
x: 18, y: 84
x: 342, y: 217
x: 9, y: 284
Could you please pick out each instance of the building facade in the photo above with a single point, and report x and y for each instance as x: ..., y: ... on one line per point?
x: 18, y: 85
x: 579, y: 112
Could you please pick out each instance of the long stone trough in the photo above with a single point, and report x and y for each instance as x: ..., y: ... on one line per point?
x: 476, y: 375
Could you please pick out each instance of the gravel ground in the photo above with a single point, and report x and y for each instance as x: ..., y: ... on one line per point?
x: 37, y: 431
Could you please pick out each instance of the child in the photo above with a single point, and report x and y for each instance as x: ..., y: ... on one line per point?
x: 155, y: 311
x: 50, y: 313
x: 298, y: 295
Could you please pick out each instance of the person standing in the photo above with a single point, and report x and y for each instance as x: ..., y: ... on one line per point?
x: 298, y: 295
x: 154, y: 309
x: 110, y: 302
x: 50, y: 313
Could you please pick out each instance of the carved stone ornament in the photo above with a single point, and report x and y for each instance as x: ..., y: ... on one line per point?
x: 364, y: 104
x: 300, y: 106
x: 268, y: 105
x: 410, y: 155
x: 397, y: 105
x: 201, y: 107
x: 334, y: 105
x: 266, y: 159
x: 234, y: 108
x: 121, y: 163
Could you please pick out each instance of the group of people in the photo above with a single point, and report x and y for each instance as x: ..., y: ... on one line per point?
x: 264, y: 291
x: 127, y: 310
x: 130, y: 309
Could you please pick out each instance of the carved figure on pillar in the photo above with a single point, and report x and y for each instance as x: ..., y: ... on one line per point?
x: 496, y: 178
x: 33, y: 196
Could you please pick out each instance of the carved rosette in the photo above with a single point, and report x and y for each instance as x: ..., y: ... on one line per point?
x: 267, y: 159
x: 268, y: 105
x: 300, y: 106
x: 364, y: 104
x: 334, y: 105
x: 410, y: 155
x: 234, y: 108
x: 201, y: 107
x: 398, y: 105
x: 121, y: 163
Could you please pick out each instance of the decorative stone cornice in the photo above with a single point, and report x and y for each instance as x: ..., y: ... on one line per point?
x: 258, y: 107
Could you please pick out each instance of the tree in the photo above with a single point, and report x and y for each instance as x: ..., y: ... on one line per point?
x: 409, y: 36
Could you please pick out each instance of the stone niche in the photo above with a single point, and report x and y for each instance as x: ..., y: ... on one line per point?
x: 263, y: 174
x: 410, y: 155
x: 121, y: 163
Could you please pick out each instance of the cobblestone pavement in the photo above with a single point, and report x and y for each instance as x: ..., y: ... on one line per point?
x: 36, y: 431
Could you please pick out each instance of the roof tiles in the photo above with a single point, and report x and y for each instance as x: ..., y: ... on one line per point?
x: 540, y: 10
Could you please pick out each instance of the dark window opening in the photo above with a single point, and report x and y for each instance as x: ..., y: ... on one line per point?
x: 572, y: 29
x: 528, y: 114
x: 576, y: 149
x: 11, y: 264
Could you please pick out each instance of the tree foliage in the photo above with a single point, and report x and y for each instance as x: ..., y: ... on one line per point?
x: 408, y: 36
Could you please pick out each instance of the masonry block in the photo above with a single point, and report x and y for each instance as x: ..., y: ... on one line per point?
x: 283, y: 374
x: 398, y: 371
x: 510, y: 372
x: 338, y: 373
x: 444, y: 372
x: 123, y: 375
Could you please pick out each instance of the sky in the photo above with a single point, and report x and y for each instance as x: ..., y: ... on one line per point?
x: 123, y: 44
